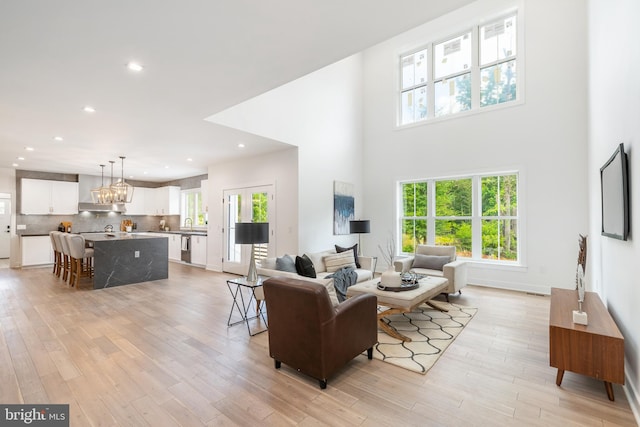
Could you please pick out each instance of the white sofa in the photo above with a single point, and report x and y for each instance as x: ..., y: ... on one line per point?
x: 436, y: 261
x: 267, y: 267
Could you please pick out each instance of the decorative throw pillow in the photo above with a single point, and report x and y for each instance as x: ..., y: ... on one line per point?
x: 340, y: 249
x: 268, y: 263
x: 286, y: 263
x: 304, y: 267
x: 430, y: 262
x: 317, y: 258
x: 338, y: 261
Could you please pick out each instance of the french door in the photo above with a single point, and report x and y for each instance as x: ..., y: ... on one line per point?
x: 5, y: 226
x: 253, y: 204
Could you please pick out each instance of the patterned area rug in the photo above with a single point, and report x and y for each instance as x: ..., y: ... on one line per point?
x: 431, y: 332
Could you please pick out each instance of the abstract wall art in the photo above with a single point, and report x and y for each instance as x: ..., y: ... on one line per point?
x: 343, y: 207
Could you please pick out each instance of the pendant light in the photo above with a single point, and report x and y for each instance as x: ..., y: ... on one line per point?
x: 102, y: 194
x: 122, y: 192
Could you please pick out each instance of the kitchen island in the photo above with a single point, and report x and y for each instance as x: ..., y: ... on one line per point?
x: 126, y: 258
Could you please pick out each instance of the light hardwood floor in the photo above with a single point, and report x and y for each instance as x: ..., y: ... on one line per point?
x: 160, y: 353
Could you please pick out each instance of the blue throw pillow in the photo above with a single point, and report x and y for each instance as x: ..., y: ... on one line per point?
x: 286, y: 263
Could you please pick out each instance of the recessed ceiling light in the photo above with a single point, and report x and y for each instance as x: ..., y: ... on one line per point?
x: 58, y: 138
x: 89, y: 109
x: 189, y: 159
x: 241, y: 145
x: 166, y: 167
x: 28, y: 148
x: 134, y: 66
x: 145, y: 172
x: 15, y: 165
x: 19, y: 158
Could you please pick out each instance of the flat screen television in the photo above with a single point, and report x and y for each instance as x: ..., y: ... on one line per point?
x: 615, y: 195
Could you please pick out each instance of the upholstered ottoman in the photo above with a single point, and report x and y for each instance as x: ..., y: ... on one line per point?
x: 400, y: 302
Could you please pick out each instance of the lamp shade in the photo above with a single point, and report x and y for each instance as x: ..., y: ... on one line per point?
x: 252, y: 232
x: 359, y: 226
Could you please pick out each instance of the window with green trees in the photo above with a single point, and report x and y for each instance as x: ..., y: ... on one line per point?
x: 468, y: 71
x: 476, y: 214
x: 192, y: 208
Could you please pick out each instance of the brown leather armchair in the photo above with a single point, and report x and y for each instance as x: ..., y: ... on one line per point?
x: 311, y: 335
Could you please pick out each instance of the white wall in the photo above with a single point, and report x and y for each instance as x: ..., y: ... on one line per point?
x: 321, y: 114
x: 544, y: 138
x: 281, y: 170
x: 614, y: 106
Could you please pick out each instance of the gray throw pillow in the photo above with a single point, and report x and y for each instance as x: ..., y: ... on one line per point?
x: 430, y: 262
x: 286, y: 263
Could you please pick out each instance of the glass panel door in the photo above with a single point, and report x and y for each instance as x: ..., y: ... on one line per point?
x: 254, y: 204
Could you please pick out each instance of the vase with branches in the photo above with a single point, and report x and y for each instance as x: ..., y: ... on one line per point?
x: 390, y: 277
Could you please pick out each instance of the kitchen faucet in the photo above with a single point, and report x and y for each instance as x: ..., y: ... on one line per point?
x: 190, y: 223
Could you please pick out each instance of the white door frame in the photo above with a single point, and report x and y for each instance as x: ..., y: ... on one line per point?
x: 5, y: 227
x: 237, y: 262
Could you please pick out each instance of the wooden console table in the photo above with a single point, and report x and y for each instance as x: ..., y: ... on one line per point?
x: 596, y: 349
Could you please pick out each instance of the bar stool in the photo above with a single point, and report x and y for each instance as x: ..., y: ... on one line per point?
x: 81, y: 259
x: 57, y: 253
x: 66, y: 260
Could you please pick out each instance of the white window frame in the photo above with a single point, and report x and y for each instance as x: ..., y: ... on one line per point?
x: 475, y: 72
x: 476, y: 217
x: 183, y: 208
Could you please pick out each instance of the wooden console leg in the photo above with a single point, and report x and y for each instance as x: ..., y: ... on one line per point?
x: 609, y: 388
x: 559, y: 376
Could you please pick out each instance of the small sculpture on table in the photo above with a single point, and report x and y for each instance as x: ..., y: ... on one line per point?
x: 579, y: 316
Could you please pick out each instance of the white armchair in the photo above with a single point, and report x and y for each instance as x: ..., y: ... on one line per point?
x: 436, y: 261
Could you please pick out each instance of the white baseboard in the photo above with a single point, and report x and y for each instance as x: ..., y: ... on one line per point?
x: 511, y: 286
x: 632, y: 395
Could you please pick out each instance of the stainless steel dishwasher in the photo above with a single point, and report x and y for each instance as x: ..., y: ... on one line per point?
x: 185, y: 255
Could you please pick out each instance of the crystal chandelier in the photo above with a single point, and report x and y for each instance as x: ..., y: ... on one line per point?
x: 121, y: 191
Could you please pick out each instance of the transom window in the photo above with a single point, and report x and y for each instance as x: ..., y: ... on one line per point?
x: 468, y: 71
x: 476, y: 214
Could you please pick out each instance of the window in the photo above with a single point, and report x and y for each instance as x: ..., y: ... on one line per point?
x: 468, y: 71
x: 476, y: 214
x: 191, y: 207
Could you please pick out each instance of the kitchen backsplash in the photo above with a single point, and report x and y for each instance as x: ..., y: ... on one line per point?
x: 93, y: 221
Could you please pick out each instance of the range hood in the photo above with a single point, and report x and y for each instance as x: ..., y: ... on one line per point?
x: 85, y: 184
x: 93, y: 207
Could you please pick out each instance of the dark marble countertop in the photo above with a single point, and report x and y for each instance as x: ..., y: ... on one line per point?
x: 185, y: 232
x: 118, y: 235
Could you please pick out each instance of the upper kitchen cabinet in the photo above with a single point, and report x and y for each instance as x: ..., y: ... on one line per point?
x: 138, y: 205
x: 168, y: 200
x: 45, y: 197
x: 155, y: 201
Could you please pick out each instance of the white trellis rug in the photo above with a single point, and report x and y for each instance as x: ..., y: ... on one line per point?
x: 431, y: 332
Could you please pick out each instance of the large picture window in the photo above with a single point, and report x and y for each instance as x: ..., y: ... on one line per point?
x: 468, y: 71
x: 477, y: 214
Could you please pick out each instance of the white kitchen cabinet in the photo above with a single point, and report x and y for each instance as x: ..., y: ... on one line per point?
x: 168, y: 200
x: 46, y: 197
x: 36, y: 250
x: 175, y: 247
x: 137, y: 205
x: 156, y: 201
x: 199, y: 250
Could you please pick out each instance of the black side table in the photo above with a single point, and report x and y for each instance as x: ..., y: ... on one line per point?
x: 241, y: 283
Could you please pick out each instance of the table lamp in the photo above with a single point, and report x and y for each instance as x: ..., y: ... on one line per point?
x: 359, y: 227
x: 250, y: 233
